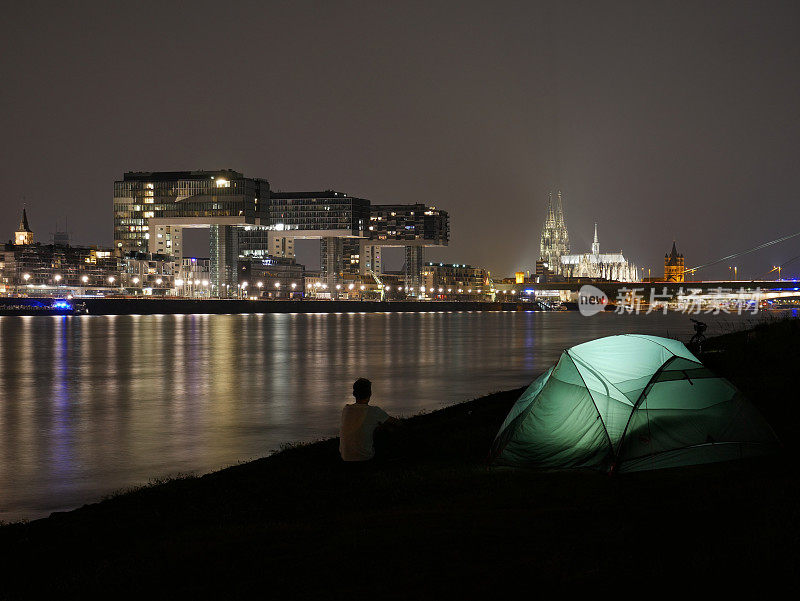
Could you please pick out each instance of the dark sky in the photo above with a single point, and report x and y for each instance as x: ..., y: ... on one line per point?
x: 655, y: 119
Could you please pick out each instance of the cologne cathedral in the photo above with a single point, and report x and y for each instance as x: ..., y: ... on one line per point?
x: 555, y: 238
x: 555, y: 252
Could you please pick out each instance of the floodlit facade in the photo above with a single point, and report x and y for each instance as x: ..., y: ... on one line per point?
x: 674, y: 270
x: 597, y: 265
x: 556, y: 260
x: 554, y: 242
x: 24, y: 234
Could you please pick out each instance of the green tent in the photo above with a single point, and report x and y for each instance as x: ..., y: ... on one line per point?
x: 626, y: 403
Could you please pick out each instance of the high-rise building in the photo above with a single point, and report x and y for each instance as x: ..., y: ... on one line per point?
x: 247, y: 221
x: 152, y: 208
x: 673, y: 266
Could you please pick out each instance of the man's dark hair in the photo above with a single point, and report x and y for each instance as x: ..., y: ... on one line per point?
x: 362, y: 389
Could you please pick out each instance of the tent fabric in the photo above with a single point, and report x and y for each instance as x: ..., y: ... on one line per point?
x: 630, y: 402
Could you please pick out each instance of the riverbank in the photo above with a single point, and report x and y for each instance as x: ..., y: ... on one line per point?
x: 178, y: 306
x: 436, y: 522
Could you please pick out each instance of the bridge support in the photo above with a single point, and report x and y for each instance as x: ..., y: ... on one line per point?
x: 413, y: 269
x: 331, y: 257
x: 224, y: 255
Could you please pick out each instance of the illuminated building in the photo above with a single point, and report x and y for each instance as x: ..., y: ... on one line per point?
x: 454, y: 281
x: 271, y: 277
x: 50, y: 269
x: 247, y: 222
x: 673, y: 266
x: 148, y: 273
x: 597, y: 265
x: 554, y: 241
x: 152, y: 208
x: 24, y: 234
x: 555, y: 258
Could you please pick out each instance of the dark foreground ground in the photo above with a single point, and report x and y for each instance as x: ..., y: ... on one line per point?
x: 437, y: 523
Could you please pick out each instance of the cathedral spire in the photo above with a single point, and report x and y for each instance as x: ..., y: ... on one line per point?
x: 24, y: 234
x: 555, y: 239
x: 559, y: 211
x: 551, y: 216
x: 23, y: 222
x: 596, y: 243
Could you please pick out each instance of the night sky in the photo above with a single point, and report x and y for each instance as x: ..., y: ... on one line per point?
x: 657, y: 120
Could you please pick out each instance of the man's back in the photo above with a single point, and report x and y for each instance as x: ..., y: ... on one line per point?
x: 359, y: 421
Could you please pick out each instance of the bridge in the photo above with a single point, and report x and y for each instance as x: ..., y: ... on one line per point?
x: 568, y: 290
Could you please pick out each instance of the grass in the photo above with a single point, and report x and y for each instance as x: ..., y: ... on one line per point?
x: 433, y: 521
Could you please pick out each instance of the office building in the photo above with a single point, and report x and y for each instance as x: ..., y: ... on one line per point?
x: 248, y: 222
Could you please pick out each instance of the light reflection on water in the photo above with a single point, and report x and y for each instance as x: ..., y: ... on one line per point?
x: 93, y: 404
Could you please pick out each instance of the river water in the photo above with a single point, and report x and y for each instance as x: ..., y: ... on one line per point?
x: 91, y: 405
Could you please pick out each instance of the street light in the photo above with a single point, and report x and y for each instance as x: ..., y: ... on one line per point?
x: 111, y: 279
x: 158, y: 281
x: 57, y: 278
x: 135, y: 280
x: 85, y: 279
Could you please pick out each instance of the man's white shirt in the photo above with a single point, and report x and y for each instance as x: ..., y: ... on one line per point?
x: 358, y: 425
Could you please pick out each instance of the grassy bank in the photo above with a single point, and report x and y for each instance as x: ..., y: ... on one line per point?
x: 434, y: 521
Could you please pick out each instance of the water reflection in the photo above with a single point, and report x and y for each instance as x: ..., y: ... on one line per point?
x: 89, y: 405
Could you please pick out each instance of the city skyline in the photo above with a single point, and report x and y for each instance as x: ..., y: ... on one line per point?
x: 655, y: 122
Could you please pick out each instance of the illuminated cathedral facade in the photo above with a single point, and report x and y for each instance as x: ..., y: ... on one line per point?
x: 555, y: 252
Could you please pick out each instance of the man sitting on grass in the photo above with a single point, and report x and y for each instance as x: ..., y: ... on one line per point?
x: 359, y: 421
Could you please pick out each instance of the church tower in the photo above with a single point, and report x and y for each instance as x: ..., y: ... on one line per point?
x: 673, y: 266
x: 24, y: 234
x: 596, y: 243
x: 554, y: 242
